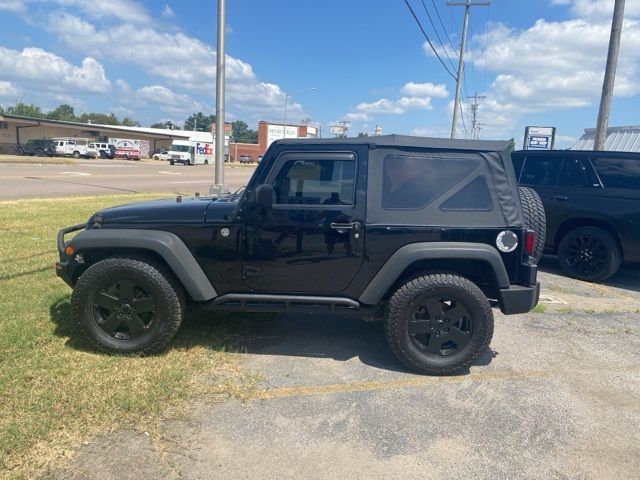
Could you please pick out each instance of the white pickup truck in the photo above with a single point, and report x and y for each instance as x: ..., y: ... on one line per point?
x: 76, y: 147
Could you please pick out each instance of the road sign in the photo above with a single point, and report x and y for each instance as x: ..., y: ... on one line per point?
x: 539, y: 138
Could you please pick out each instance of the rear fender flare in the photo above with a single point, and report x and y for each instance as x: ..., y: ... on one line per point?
x: 409, y: 254
x: 168, y: 245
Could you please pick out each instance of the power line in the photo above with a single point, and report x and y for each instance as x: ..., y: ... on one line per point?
x: 428, y: 39
x: 443, y: 27
x: 437, y: 34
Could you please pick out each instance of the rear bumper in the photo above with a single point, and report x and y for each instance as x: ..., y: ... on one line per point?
x: 519, y: 299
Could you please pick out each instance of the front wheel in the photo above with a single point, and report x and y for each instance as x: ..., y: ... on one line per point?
x: 76, y: 155
x: 589, y: 253
x: 438, y: 324
x: 126, y: 305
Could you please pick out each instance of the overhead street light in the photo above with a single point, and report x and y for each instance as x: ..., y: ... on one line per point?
x: 286, y: 100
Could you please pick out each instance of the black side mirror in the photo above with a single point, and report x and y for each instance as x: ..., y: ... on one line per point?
x: 264, y: 197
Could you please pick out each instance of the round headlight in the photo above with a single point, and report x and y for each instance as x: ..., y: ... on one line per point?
x: 507, y: 241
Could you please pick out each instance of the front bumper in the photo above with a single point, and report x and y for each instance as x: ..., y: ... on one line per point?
x: 66, y: 267
x: 519, y: 299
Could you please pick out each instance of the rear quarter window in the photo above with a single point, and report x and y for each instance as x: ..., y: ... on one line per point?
x: 618, y: 172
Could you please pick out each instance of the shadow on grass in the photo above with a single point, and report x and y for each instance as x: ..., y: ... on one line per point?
x: 340, y: 337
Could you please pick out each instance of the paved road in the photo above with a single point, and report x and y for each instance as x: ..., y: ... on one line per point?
x: 94, y: 177
x: 555, y: 398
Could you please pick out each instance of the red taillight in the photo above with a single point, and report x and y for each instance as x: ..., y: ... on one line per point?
x: 529, y: 242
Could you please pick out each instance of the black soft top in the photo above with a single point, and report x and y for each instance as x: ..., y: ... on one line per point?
x: 406, y: 141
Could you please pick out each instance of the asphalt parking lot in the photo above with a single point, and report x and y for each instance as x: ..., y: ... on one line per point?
x: 557, y: 396
x: 107, y: 177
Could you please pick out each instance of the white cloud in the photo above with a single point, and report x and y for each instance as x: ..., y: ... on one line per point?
x: 551, y: 66
x: 182, y: 61
x: 395, y: 107
x: 13, y: 6
x: 37, y: 67
x: 167, y: 100
x: 357, y: 117
x: 599, y: 9
x: 126, y: 10
x: 167, y: 11
x: 123, y: 86
x: 8, y: 89
x: 428, y: 89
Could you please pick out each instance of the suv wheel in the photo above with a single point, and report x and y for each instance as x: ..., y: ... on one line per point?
x: 589, y: 253
x: 127, y: 305
x: 534, y: 218
x: 438, y: 324
x: 103, y: 154
x: 39, y: 152
x: 21, y: 151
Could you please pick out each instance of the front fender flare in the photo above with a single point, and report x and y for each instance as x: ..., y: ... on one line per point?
x: 414, y: 252
x: 168, y: 245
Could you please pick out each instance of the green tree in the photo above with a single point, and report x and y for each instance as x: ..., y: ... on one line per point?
x: 63, y: 112
x: 199, y: 122
x: 25, y: 110
x: 100, y: 118
x: 169, y: 125
x: 362, y: 134
x: 127, y: 122
x: 242, y: 133
x: 512, y: 144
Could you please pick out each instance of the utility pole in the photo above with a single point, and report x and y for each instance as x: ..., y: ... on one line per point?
x: 456, y: 104
x: 476, y: 126
x: 219, y: 187
x: 609, y: 76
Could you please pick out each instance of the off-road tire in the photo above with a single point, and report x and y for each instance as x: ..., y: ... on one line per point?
x: 402, y: 306
x: 534, y: 218
x: 103, y: 154
x: 21, y: 151
x: 39, y: 152
x: 609, y: 251
x: 158, y: 281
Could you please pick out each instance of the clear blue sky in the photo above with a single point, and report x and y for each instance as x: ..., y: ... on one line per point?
x: 537, y: 63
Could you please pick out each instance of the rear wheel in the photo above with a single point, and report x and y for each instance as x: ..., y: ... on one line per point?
x: 76, y: 154
x: 21, y: 151
x: 438, y: 324
x: 103, y: 154
x: 39, y: 152
x: 534, y: 218
x: 589, y: 253
x: 127, y: 305
x: 171, y: 162
x: 125, y: 157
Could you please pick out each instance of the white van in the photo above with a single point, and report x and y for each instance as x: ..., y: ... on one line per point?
x: 76, y: 147
x: 191, y: 152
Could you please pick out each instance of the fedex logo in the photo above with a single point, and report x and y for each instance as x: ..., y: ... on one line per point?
x: 204, y: 149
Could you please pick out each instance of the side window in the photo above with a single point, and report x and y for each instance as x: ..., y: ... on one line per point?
x: 315, y: 182
x: 618, y: 172
x: 517, y: 160
x: 412, y: 182
x: 541, y: 171
x: 573, y: 173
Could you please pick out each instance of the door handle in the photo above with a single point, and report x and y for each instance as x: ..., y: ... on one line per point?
x: 560, y: 198
x: 345, y: 226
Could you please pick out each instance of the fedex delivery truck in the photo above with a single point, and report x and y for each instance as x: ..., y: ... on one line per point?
x: 191, y: 152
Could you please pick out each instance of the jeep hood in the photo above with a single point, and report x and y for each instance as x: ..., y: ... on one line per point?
x: 168, y: 211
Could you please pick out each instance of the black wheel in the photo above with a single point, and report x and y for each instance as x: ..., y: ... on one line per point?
x: 589, y: 253
x: 171, y: 162
x: 39, y: 152
x: 534, y: 218
x: 103, y: 154
x: 21, y: 151
x: 127, y: 305
x: 438, y: 324
x: 76, y: 154
x: 125, y: 157
x: 206, y: 162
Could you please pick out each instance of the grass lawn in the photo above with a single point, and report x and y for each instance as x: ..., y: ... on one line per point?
x: 37, y: 160
x: 55, y: 391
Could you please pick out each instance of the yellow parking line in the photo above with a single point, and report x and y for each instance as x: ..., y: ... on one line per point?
x: 304, y: 391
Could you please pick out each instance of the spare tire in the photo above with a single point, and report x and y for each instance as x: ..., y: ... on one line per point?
x: 534, y: 218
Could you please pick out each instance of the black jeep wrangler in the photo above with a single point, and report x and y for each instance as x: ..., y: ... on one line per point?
x: 426, y: 234
x: 37, y: 147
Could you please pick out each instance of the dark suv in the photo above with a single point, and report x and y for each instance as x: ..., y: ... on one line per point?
x: 37, y: 147
x: 592, y: 203
x: 426, y: 234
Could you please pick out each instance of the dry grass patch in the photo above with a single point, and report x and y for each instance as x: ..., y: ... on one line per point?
x: 55, y: 391
x: 37, y: 160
